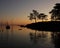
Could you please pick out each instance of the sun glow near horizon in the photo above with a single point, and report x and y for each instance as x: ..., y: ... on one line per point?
x: 16, y: 11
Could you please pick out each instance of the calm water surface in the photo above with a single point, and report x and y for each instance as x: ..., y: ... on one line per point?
x: 27, y: 38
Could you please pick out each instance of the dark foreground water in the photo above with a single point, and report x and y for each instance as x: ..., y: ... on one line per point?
x: 27, y: 38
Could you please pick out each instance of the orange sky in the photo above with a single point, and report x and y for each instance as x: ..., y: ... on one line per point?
x: 16, y: 11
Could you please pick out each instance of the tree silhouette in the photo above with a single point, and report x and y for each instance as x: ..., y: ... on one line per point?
x: 42, y: 16
x: 55, y: 12
x: 33, y: 15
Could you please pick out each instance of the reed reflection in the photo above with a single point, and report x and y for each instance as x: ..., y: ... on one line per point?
x: 6, y: 37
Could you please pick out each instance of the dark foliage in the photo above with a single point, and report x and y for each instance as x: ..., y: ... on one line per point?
x: 45, y: 26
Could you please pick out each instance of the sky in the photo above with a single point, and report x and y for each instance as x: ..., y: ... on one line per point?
x: 16, y: 11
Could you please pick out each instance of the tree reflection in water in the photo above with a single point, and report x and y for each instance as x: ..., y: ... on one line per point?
x: 34, y: 37
x: 56, y: 39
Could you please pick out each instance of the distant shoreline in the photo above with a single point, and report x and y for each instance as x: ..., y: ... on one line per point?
x: 45, y: 26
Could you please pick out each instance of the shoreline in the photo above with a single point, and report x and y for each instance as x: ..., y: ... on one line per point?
x: 44, y: 26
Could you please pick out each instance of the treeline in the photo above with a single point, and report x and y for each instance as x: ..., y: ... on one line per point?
x: 55, y: 14
x: 53, y: 25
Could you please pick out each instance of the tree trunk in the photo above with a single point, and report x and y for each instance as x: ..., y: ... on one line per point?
x: 35, y: 20
x: 42, y: 20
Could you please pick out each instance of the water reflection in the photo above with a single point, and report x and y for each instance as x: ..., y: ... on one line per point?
x: 3, y: 39
x: 33, y: 37
x: 27, y: 38
x: 39, y: 36
x: 56, y: 39
x: 6, y: 38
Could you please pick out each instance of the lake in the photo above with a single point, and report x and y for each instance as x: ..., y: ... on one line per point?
x: 18, y: 37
